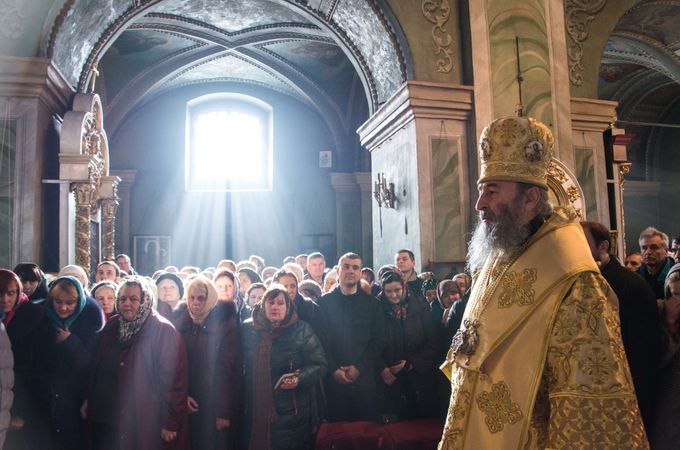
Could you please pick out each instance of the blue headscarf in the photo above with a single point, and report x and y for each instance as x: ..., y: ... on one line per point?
x: 57, y: 321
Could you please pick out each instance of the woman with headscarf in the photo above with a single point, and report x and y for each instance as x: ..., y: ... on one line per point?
x: 76, y: 321
x: 284, y: 362
x: 137, y: 394
x: 27, y: 325
x: 104, y: 294
x: 666, y: 428
x: 210, y: 331
x: 33, y: 281
x: 407, y: 375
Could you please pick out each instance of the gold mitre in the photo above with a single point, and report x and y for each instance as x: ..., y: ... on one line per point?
x: 516, y: 149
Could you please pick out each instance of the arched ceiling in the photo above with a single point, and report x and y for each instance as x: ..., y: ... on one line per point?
x: 325, y: 53
x: 642, y: 55
x: 640, y: 68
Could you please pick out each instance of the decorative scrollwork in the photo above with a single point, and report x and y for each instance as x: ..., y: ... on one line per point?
x: 437, y: 12
x: 579, y: 16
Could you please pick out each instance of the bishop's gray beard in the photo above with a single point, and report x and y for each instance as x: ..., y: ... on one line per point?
x: 498, y: 238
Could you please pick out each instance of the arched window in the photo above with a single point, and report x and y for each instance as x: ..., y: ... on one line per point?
x: 228, y: 144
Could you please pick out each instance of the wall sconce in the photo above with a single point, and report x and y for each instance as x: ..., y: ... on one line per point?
x: 383, y: 192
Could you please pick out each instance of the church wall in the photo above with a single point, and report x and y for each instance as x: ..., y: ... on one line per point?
x: 422, y: 21
x: 267, y: 223
x: 22, y: 25
x: 526, y: 20
x: 397, y: 228
x: 588, y: 26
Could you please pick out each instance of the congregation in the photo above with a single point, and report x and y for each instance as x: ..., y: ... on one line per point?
x: 244, y: 355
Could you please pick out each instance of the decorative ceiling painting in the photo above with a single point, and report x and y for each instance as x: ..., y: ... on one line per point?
x: 640, y: 68
x: 333, y: 55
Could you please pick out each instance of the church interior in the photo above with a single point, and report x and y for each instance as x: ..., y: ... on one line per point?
x: 332, y: 125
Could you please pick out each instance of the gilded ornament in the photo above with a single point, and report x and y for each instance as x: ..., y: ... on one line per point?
x: 573, y: 193
x: 465, y: 340
x: 518, y: 288
x: 556, y: 173
x: 498, y: 407
x: 509, y: 132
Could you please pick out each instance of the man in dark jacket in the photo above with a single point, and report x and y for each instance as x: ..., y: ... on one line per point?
x: 640, y: 325
x: 656, y: 262
x: 349, y: 323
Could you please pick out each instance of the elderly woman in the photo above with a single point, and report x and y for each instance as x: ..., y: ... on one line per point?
x: 76, y: 321
x: 27, y: 325
x: 170, y: 289
x: 137, y: 394
x: 210, y: 331
x: 284, y: 362
x: 408, y: 360
x: 104, y: 294
x: 666, y: 428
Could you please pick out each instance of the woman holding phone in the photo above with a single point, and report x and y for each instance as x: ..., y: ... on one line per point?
x: 284, y: 362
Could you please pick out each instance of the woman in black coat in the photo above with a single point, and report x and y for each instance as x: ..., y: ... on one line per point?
x: 76, y: 321
x: 210, y: 332
x: 284, y: 362
x: 27, y: 325
x: 407, y: 377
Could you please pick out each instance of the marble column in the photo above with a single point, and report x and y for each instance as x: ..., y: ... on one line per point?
x: 419, y: 141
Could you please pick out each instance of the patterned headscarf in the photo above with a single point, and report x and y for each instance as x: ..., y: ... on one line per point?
x: 400, y: 310
x: 128, y: 329
x: 80, y: 299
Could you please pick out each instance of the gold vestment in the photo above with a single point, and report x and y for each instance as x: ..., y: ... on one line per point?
x: 539, y: 361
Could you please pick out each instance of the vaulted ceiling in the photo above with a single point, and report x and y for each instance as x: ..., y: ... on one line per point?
x: 640, y: 68
x: 331, y: 55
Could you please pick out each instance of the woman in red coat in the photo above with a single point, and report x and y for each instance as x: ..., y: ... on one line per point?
x: 138, y: 387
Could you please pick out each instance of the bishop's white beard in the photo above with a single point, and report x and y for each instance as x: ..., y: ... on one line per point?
x: 497, y: 238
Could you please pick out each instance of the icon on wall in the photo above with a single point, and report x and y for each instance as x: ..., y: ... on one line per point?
x: 325, y: 159
x: 151, y: 253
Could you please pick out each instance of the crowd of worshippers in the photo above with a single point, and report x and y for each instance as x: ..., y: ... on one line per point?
x: 248, y: 356
x: 239, y: 356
